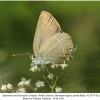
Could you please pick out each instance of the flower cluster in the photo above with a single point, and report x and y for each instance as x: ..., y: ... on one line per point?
x: 50, y: 78
x: 21, y: 85
x: 34, y: 68
x: 24, y: 82
x: 39, y: 84
x: 7, y: 87
x: 58, y: 89
x: 21, y: 89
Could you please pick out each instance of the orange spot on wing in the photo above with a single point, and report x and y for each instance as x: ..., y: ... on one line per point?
x: 69, y: 48
x: 68, y: 57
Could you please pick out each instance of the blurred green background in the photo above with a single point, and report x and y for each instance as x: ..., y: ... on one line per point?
x: 81, y: 20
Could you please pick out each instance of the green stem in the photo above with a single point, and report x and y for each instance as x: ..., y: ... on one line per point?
x: 60, y: 73
x: 47, y: 81
x: 32, y: 89
x: 53, y: 85
x: 52, y: 89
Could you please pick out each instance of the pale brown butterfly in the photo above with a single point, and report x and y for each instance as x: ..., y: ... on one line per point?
x: 51, y: 44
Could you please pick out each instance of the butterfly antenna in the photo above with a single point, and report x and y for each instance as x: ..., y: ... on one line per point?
x: 22, y: 54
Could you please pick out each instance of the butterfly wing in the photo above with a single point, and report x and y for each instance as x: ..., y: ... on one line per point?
x: 56, y: 47
x: 47, y: 26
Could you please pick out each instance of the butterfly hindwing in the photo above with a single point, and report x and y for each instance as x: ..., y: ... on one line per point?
x: 56, y: 47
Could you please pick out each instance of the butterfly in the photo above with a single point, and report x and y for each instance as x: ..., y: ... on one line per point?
x: 51, y: 44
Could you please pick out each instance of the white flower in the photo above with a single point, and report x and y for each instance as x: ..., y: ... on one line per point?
x: 50, y: 76
x: 31, y: 64
x: 20, y: 84
x: 42, y: 66
x: 57, y: 65
x: 21, y: 90
x: 23, y: 79
x: 27, y: 83
x: 4, y: 88
x: 24, y: 82
x: 63, y: 66
x: 34, y: 68
x: 9, y: 86
x: 35, y: 89
x: 39, y: 69
x: 52, y: 66
x: 32, y: 57
x: 58, y: 89
x: 39, y: 84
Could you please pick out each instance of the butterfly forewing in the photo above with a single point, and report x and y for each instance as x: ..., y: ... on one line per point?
x: 47, y: 26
